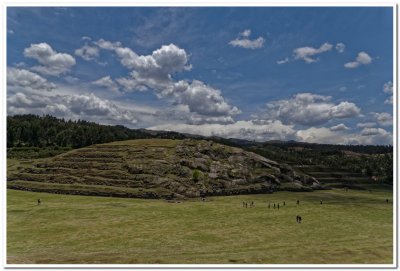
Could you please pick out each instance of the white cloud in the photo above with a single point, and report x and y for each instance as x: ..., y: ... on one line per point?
x: 87, y: 52
x: 340, y: 47
x: 106, y: 82
x: 388, y: 88
x: 52, y: 63
x: 283, y: 61
x: 326, y: 135
x: 345, y: 110
x: 246, y: 33
x: 342, y: 89
x: 159, y: 66
x: 362, y: 59
x: 272, y: 130
x: 243, y: 41
x: 130, y: 84
x: 308, y: 109
x: 107, y: 45
x: 339, y: 127
x: 156, y: 71
x: 20, y: 100
x: 306, y: 53
x: 205, y: 100
x: 27, y: 79
x: 72, y: 106
x: 371, y: 131
x: 366, y: 124
x: 389, y: 100
x: 384, y: 119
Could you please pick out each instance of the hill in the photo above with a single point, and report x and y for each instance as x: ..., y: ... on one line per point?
x: 159, y: 168
x: 358, y: 166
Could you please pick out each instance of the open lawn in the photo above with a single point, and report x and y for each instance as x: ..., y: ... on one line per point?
x: 349, y: 227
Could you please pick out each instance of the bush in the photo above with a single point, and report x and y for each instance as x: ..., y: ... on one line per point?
x: 196, y: 175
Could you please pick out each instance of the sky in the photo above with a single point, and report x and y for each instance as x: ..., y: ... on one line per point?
x: 312, y: 74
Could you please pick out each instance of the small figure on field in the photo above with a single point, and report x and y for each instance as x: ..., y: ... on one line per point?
x: 246, y: 204
x: 269, y: 205
x: 252, y: 204
x: 278, y: 206
x: 203, y: 199
x: 320, y: 201
x: 298, y: 202
x: 387, y: 200
x: 299, y: 219
x: 274, y: 205
x: 284, y: 203
x: 39, y: 201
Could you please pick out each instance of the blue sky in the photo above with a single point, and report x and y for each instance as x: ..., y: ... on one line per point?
x: 320, y: 74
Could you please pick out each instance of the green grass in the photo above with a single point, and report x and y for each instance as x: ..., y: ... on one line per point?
x: 349, y: 227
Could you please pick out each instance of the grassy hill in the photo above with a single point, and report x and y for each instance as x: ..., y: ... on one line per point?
x: 157, y: 168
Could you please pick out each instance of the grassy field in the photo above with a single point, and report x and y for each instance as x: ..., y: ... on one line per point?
x: 349, y: 227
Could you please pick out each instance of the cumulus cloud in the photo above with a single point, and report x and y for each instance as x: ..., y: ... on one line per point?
x: 388, y: 88
x: 307, y: 53
x: 308, y: 109
x: 366, y: 124
x: 271, y: 130
x: 155, y: 71
x: 87, y: 52
x: 20, y: 100
x: 339, y: 127
x: 340, y: 47
x: 27, y: 79
x: 107, y: 83
x: 389, y: 100
x: 384, y: 119
x: 205, y: 100
x: 243, y: 41
x: 72, y: 106
x: 52, y: 63
x: 326, y: 135
x: 159, y: 66
x: 345, y: 110
x: 362, y: 59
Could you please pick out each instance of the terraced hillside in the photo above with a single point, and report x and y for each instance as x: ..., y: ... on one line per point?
x: 158, y: 168
x: 339, y: 178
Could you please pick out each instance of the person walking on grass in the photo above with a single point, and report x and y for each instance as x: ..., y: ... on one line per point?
x: 320, y: 202
x: 387, y: 201
x: 284, y: 203
x: 298, y: 202
x: 39, y: 201
x: 274, y: 205
x: 278, y: 206
x: 269, y: 205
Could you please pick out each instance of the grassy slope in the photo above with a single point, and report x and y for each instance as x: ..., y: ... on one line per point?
x: 349, y: 227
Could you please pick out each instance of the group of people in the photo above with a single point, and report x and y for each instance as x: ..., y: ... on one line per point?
x: 248, y: 204
x: 276, y: 205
